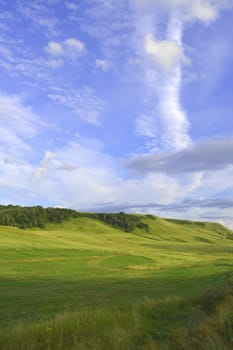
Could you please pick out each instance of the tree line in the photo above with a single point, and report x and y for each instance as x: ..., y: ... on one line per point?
x: 125, y: 222
x: 37, y: 216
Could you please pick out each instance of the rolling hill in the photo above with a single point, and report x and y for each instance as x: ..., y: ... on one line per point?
x: 86, y: 263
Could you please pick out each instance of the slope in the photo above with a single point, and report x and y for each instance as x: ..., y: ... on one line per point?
x: 84, y: 262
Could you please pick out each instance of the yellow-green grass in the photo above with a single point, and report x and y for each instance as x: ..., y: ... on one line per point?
x: 172, y: 323
x: 84, y: 264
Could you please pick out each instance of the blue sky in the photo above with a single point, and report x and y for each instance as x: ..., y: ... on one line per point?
x: 118, y: 105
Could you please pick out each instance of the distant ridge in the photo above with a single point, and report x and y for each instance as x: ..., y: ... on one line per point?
x: 38, y: 216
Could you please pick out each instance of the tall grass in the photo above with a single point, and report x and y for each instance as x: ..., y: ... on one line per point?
x: 169, y: 324
x: 213, y: 333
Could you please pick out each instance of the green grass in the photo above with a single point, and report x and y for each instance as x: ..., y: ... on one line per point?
x: 168, y: 324
x: 84, y: 264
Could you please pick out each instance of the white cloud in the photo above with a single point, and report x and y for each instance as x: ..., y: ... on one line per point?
x: 205, y: 11
x: 102, y: 64
x: 54, y: 48
x: 73, y: 45
x: 166, y: 53
x: 70, y: 47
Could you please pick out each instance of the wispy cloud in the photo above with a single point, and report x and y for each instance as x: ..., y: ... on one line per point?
x: 145, y: 126
x: 40, y: 14
x: 18, y: 124
x: 111, y: 24
x: 83, y: 102
x: 50, y: 163
x: 17, y: 117
x: 170, y: 128
x: 163, y: 79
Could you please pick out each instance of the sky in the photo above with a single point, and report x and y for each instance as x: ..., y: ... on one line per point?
x: 121, y: 105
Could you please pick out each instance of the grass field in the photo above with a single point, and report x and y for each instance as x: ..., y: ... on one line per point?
x: 86, y: 266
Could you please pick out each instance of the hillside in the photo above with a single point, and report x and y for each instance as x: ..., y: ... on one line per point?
x: 84, y: 263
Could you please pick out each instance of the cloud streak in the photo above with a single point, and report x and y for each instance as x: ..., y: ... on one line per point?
x: 173, y: 119
x: 205, y: 156
x: 174, y: 207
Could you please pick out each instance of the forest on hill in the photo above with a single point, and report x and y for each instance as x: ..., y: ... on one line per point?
x: 37, y: 216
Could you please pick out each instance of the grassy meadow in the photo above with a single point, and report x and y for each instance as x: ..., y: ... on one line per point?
x: 83, y: 284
